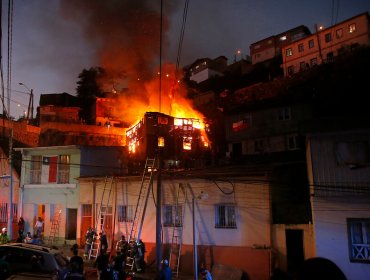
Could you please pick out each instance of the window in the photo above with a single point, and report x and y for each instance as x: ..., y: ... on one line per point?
x: 63, y: 169
x: 352, y: 153
x: 352, y: 28
x: 339, y: 33
x: 289, y: 52
x: 313, y: 61
x: 293, y: 142
x: 302, y: 65
x: 225, y: 216
x: 300, y: 48
x: 4, y: 212
x: 257, y: 47
x: 172, y: 215
x: 284, y: 114
x: 327, y: 37
x: 290, y: 70
x: 259, y: 145
x: 35, y: 170
x: 241, y: 124
x: 50, y: 169
x: 125, y: 213
x: 359, y: 240
x: 330, y: 57
x: 283, y: 38
x: 311, y: 44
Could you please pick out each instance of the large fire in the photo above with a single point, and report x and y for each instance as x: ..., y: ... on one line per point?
x: 125, y: 36
x: 173, y: 103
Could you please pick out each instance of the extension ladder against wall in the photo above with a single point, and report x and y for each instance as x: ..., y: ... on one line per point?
x: 142, y: 201
x: 101, y: 217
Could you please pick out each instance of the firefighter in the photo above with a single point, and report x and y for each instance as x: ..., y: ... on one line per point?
x: 122, y: 246
x: 139, y: 255
x: 89, y: 238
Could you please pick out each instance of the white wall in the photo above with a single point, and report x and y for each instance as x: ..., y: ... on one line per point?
x: 251, y: 200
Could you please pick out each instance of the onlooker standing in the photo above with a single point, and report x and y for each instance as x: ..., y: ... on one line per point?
x: 38, y: 227
x: 20, y: 229
x: 76, y: 259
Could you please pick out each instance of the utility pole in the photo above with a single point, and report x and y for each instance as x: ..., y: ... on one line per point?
x: 10, y: 209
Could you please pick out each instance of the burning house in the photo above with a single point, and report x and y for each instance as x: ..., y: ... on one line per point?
x: 182, y: 142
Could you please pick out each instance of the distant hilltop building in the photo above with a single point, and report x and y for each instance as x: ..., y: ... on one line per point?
x: 271, y: 47
x: 326, y: 44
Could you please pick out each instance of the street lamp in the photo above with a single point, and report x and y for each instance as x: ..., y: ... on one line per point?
x: 30, y: 103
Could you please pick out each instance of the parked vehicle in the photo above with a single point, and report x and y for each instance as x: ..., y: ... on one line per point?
x: 21, y: 257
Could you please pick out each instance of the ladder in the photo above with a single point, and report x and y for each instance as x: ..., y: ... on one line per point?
x: 54, y: 229
x: 101, y: 216
x: 142, y: 201
x: 176, y: 243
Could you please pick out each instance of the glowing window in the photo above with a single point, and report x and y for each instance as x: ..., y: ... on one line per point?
x: 289, y: 52
x: 352, y: 28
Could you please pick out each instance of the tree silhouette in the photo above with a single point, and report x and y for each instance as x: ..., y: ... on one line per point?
x: 88, y: 90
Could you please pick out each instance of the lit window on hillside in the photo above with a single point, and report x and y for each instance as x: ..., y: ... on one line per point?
x: 352, y: 28
x: 289, y: 52
x: 282, y: 38
x: 359, y: 240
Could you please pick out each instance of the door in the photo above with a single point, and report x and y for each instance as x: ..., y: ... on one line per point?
x: 294, y: 247
x: 71, y: 224
x: 86, y: 220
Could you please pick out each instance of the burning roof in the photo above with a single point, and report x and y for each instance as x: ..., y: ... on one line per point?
x: 180, y: 139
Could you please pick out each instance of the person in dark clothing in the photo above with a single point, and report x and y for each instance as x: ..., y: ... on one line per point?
x: 103, y: 242
x: 74, y: 273
x: 76, y: 259
x: 166, y: 272
x: 102, y: 265
x: 139, y: 255
x: 20, y: 229
x: 118, y: 266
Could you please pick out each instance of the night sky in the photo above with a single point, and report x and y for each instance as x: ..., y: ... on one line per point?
x: 53, y: 41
